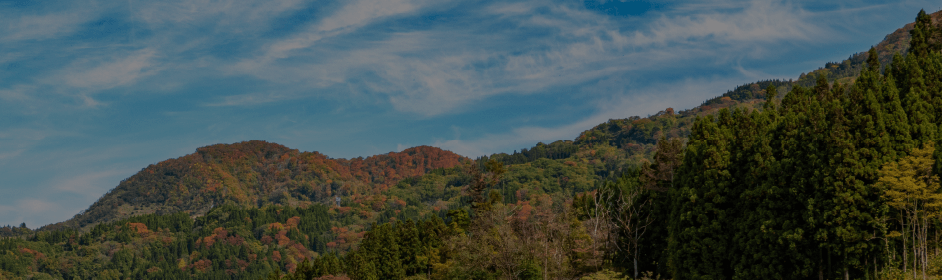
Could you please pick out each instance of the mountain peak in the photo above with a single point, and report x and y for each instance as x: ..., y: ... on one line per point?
x: 253, y: 174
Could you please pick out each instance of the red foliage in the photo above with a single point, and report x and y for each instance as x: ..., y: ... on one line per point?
x: 201, y: 265
x: 36, y: 254
x: 276, y: 256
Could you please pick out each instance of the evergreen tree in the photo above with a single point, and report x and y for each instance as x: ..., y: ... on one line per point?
x: 410, y: 246
x: 699, y: 243
x: 896, y: 122
x: 361, y: 268
x: 920, y: 43
x: 920, y: 112
x: 381, y: 248
x: 763, y: 238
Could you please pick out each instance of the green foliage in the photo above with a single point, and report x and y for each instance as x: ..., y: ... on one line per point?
x: 702, y: 208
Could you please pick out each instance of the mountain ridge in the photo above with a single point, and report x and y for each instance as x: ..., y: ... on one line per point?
x: 225, y: 173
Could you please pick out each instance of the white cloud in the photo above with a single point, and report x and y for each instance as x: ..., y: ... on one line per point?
x: 226, y: 15
x: 347, y: 19
x: 642, y: 102
x: 39, y: 27
x: 361, y: 12
x: 99, y: 75
x: 760, y: 21
x: 447, y: 69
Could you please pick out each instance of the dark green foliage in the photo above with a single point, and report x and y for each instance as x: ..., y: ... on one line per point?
x: 702, y: 207
x: 557, y: 150
x: 937, y: 156
x: 751, y: 91
x: 635, y: 132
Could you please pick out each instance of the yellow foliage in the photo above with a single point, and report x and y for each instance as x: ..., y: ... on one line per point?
x: 910, y: 184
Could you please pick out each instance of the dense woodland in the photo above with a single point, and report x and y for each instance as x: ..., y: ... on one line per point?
x: 837, y: 179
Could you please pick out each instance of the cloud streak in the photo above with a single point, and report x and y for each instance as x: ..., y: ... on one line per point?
x: 447, y: 69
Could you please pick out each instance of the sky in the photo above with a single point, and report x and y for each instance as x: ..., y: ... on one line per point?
x: 91, y: 92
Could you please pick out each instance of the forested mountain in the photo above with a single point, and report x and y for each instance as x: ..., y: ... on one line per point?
x: 835, y: 179
x: 256, y: 174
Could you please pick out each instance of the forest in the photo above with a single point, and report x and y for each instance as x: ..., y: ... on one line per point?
x: 835, y: 179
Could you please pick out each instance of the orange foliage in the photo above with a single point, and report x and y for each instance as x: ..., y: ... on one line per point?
x: 293, y: 222
x: 36, y: 254
x: 525, y: 211
x: 201, y: 265
x: 275, y: 226
x: 139, y: 228
x: 282, y: 238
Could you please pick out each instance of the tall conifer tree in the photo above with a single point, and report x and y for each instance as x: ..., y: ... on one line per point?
x: 702, y: 211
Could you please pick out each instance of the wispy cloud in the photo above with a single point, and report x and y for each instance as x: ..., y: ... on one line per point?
x: 642, y: 102
x: 348, y: 18
x: 448, y: 68
x: 98, y: 75
x: 40, y: 26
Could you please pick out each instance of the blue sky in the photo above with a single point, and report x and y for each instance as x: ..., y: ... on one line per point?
x: 93, y: 91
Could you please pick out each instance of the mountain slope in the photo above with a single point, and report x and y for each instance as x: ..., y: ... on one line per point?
x: 638, y: 135
x: 255, y: 174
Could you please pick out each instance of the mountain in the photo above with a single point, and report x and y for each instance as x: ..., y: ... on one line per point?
x: 639, y: 134
x: 744, y: 200
x: 258, y: 173
x: 255, y: 174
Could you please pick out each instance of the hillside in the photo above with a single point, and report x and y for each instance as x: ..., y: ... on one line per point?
x: 637, y: 135
x: 742, y: 189
x: 255, y: 174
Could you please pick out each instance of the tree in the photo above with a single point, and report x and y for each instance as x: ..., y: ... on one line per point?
x: 482, y: 179
x: 667, y: 159
x: 381, y: 247
x: 628, y: 205
x: 701, y: 208
x: 912, y: 188
x: 361, y: 268
x: 410, y: 246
